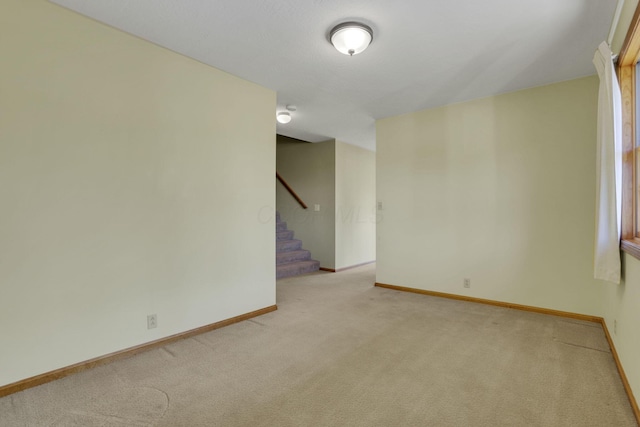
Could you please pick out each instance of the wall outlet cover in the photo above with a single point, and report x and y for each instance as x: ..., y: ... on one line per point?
x: 152, y: 321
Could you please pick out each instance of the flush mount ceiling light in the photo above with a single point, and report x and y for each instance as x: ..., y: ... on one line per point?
x: 351, y: 38
x: 283, y: 117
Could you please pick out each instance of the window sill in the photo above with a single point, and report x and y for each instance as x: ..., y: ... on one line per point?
x: 632, y: 247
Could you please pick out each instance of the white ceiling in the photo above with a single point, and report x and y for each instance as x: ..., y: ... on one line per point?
x: 425, y: 53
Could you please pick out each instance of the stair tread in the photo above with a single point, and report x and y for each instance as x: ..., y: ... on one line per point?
x: 297, y: 251
x: 294, y: 252
x: 296, y: 268
x: 303, y: 262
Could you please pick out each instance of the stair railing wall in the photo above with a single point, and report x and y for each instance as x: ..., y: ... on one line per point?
x: 290, y: 190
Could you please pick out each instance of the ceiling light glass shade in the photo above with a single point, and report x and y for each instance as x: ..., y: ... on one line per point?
x: 351, y: 38
x: 283, y: 117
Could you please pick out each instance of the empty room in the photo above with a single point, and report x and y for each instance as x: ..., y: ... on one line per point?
x: 319, y: 213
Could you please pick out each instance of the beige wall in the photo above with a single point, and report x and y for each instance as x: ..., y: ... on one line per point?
x: 498, y: 190
x: 310, y: 170
x: 355, y: 205
x: 622, y: 315
x: 130, y: 185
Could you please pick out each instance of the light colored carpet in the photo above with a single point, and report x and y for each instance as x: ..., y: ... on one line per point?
x: 340, y: 352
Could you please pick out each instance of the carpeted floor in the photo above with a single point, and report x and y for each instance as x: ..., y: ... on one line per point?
x: 340, y: 352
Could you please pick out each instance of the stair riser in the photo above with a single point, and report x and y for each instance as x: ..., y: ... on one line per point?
x: 284, y: 235
x: 292, y: 256
x: 281, y: 226
x: 289, y: 270
x: 288, y: 245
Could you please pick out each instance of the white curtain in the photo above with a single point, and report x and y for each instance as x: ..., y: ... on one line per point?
x: 609, y: 170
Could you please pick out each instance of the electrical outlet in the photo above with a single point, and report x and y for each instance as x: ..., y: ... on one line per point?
x: 615, y: 327
x: 467, y: 283
x: 316, y: 208
x: 152, y: 321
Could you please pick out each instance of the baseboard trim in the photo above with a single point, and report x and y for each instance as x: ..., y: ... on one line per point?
x: 123, y: 354
x: 355, y: 266
x: 588, y: 318
x: 585, y: 317
x: 623, y: 376
x: 338, y: 270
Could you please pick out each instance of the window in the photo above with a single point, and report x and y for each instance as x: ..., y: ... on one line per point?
x: 629, y: 74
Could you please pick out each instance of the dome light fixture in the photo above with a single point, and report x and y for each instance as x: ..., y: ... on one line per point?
x: 283, y: 117
x: 351, y: 37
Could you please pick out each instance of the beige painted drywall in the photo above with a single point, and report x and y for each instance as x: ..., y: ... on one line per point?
x: 498, y: 190
x: 355, y: 205
x: 310, y: 171
x: 132, y: 181
x: 622, y: 316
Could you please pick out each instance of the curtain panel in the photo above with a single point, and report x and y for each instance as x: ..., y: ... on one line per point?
x: 608, y: 169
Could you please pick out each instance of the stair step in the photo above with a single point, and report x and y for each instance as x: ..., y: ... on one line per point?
x: 284, y: 235
x: 296, y: 268
x: 292, y: 256
x: 291, y: 259
x: 288, y: 245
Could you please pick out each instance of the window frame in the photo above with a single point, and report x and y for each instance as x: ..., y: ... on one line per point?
x: 629, y: 57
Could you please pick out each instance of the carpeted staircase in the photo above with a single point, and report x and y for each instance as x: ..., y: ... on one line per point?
x: 291, y: 259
